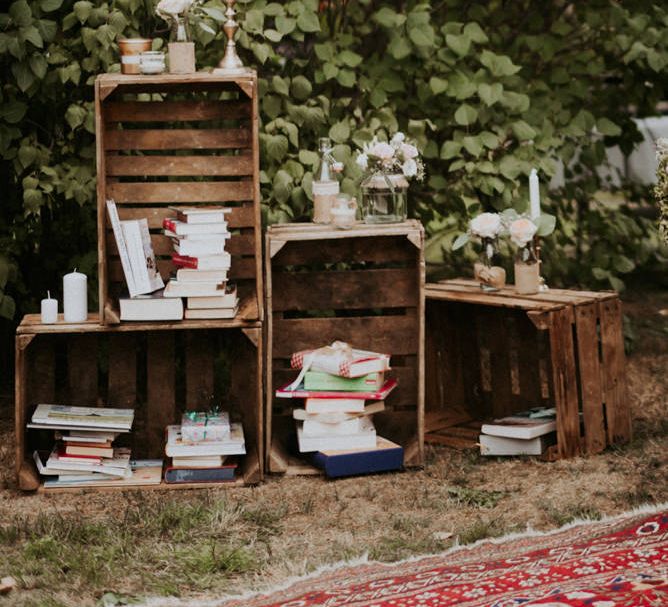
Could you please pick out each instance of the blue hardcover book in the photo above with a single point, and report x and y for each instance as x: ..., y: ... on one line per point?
x: 222, y: 474
x: 385, y: 457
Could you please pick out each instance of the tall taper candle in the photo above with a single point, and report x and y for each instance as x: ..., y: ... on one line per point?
x: 75, y: 297
x: 534, y: 195
x: 49, y: 310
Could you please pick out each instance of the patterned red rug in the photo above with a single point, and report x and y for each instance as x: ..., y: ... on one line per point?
x: 621, y: 562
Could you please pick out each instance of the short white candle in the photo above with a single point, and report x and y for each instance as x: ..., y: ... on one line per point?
x: 49, y: 310
x: 75, y: 297
x: 534, y: 194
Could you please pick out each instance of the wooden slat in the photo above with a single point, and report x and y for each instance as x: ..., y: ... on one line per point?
x: 82, y: 367
x: 41, y: 378
x: 359, y: 289
x: 140, y: 166
x: 615, y: 394
x: 528, y: 365
x: 180, y: 192
x: 176, y: 139
x: 370, y: 249
x: 122, y: 388
x: 502, y: 396
x: 564, y: 381
x: 161, y: 388
x: 170, y: 111
x: 394, y: 334
x: 590, y: 377
x: 487, y: 299
x: 239, y: 217
x: 199, y: 355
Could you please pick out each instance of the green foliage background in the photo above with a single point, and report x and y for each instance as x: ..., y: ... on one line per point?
x: 488, y: 89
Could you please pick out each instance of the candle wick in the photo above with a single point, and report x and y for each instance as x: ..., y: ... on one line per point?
x: 75, y: 269
x: 48, y: 294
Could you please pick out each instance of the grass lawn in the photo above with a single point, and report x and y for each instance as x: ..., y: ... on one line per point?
x: 71, y: 549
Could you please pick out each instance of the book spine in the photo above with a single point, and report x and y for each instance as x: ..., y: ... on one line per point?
x: 169, y: 224
x: 136, y: 252
x: 183, y: 261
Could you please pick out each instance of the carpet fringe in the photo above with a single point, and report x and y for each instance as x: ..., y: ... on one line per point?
x: 364, y: 560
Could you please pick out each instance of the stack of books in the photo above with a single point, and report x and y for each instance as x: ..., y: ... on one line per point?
x: 199, y: 235
x: 526, y: 433
x: 84, y: 454
x: 335, y: 425
x: 203, y: 448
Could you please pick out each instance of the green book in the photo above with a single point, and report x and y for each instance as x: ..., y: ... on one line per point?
x: 316, y: 380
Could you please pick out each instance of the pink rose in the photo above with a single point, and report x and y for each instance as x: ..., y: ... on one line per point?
x: 522, y: 231
x: 383, y: 150
x: 409, y: 151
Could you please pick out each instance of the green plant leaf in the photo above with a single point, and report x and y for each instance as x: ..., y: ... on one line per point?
x: 300, y: 87
x: 460, y: 241
x: 546, y: 225
x: 498, y: 65
x: 308, y: 22
x: 349, y: 58
x: 522, y: 130
x: 466, y: 114
x: 460, y: 44
x: 277, y: 146
x: 285, y: 25
x: 607, y: 127
x: 7, y: 307
x: 438, y: 85
x: 340, y: 132
x: 490, y: 93
x: 13, y: 111
x: 450, y: 149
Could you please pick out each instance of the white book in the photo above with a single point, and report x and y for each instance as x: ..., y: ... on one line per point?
x: 205, y: 262
x: 333, y: 405
x: 60, y: 417
x: 204, y: 314
x: 182, y: 228
x: 87, y: 437
x: 234, y: 445
x: 142, y: 259
x: 122, y: 247
x: 208, y: 214
x: 519, y: 427
x: 84, y: 477
x: 227, y: 300
x: 336, y: 417
x: 198, y: 248
x: 365, y: 439
x: 314, y: 427
x: 501, y: 445
x: 188, y: 275
x: 119, y: 465
x: 44, y: 471
x: 177, y: 288
x: 153, y: 306
x: 199, y: 237
x: 209, y: 461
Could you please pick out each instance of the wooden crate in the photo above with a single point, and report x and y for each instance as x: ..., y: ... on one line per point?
x: 160, y: 373
x: 363, y: 286
x: 493, y: 354
x: 179, y: 139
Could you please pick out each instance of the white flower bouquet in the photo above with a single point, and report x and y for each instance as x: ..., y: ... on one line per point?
x: 170, y: 9
x: 400, y: 156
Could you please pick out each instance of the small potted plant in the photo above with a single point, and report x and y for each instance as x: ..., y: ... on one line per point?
x: 388, y: 167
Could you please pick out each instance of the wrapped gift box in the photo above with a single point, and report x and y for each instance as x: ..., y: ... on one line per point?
x: 201, y: 426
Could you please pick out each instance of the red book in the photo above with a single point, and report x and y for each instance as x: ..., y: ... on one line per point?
x: 68, y: 457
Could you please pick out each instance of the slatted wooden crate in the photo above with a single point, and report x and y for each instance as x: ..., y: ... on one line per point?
x: 493, y: 354
x: 363, y: 286
x: 179, y: 140
x: 160, y: 373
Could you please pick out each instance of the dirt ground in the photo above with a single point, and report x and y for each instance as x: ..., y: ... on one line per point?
x: 72, y: 549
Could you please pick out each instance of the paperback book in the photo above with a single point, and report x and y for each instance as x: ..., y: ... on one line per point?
x: 203, y: 214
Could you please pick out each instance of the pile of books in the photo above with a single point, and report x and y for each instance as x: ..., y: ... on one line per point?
x: 526, y: 433
x: 84, y: 453
x: 199, y: 235
x: 340, y: 397
x: 203, y: 448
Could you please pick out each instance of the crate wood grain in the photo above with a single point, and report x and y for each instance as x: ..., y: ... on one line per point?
x: 159, y: 373
x: 363, y: 286
x: 179, y: 140
x: 492, y: 354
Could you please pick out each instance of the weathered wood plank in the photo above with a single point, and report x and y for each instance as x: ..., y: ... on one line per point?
x: 356, y: 289
x: 170, y: 111
x: 394, y: 334
x: 82, y: 370
x: 214, y: 166
x: 487, y: 299
x: 528, y: 363
x: 176, y: 139
x: 503, y: 400
x: 175, y: 192
x: 239, y: 217
x: 564, y: 382
x: 160, y: 390
x: 615, y: 394
x: 199, y: 355
x: 122, y: 383
x: 40, y: 385
x: 590, y: 377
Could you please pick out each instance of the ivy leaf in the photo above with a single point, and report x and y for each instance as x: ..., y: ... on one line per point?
x: 307, y: 157
x: 20, y: 13
x: 346, y: 78
x: 273, y: 35
x: 466, y: 114
x: 399, y: 47
x: 13, y: 111
x: 340, y: 132
x: 546, y: 224
x: 490, y: 93
x: 300, y: 87
x: 24, y: 76
x: 460, y: 44
x: 277, y: 146
x: 475, y: 33
x: 522, y: 130
x: 30, y: 34
x: 280, y: 85
x: 254, y: 21
x: 437, y: 85
x: 472, y: 145
x: 607, y: 127
x: 349, y: 58
x: 460, y: 241
x: 7, y: 307
x: 422, y: 36
x: 261, y: 51
x: 386, y: 17
x: 82, y: 10
x: 450, y: 149
x: 38, y: 65
x: 285, y: 25
x: 75, y: 116
x: 308, y: 22
x: 498, y: 65
x: 623, y: 264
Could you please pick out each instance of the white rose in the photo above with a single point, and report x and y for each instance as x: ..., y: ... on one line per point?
x: 362, y: 161
x: 409, y: 151
x: 409, y: 168
x: 397, y: 138
x: 337, y: 167
x: 173, y: 7
x: 522, y: 231
x: 486, y: 225
x: 383, y: 150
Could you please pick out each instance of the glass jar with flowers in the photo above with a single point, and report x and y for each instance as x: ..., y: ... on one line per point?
x: 487, y: 227
x: 527, y: 265
x: 388, y: 167
x: 181, y: 49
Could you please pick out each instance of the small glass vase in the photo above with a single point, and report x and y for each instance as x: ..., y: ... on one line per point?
x: 385, y: 198
x: 492, y: 277
x: 180, y: 31
x: 527, y: 270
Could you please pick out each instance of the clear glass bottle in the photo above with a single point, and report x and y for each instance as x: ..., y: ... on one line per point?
x: 325, y: 186
x: 385, y: 198
x: 491, y: 276
x: 180, y: 31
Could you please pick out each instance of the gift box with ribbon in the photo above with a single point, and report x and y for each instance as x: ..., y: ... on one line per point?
x: 201, y: 426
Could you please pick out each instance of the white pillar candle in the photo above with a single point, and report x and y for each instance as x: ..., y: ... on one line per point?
x: 534, y: 195
x: 75, y: 297
x: 49, y: 310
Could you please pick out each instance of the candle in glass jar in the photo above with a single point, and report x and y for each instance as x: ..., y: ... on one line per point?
x: 75, y: 297
x: 49, y: 310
